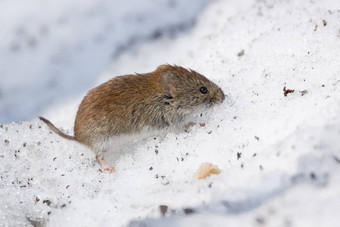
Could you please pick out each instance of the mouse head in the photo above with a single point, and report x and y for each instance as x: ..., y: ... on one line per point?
x: 187, y: 90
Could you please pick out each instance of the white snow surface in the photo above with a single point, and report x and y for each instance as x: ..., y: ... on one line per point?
x: 52, y: 50
x: 279, y: 155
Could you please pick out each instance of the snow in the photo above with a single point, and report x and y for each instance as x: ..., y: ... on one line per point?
x: 279, y: 155
x: 46, y: 46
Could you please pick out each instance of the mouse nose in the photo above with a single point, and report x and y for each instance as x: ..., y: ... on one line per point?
x: 218, y: 98
x: 221, y: 96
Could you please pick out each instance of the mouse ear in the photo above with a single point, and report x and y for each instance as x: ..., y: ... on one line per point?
x: 162, y: 67
x: 167, y: 82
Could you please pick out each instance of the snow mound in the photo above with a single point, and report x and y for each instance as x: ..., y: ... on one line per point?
x: 47, y: 47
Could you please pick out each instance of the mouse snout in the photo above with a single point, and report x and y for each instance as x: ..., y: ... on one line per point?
x: 222, y: 96
x: 217, y: 98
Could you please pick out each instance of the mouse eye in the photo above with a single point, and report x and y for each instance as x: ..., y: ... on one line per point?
x: 203, y: 90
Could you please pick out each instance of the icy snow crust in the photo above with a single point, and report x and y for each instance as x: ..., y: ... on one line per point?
x: 279, y: 155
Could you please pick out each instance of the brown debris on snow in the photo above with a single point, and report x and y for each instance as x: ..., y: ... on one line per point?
x: 287, y: 91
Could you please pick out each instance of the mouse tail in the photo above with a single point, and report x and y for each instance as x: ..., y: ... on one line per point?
x: 56, y: 130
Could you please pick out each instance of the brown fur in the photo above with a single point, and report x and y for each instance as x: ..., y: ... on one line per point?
x: 125, y: 105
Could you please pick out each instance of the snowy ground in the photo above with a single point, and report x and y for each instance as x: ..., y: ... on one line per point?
x: 279, y: 155
x: 48, y: 47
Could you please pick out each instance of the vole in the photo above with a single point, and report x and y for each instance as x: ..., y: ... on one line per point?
x: 127, y: 106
